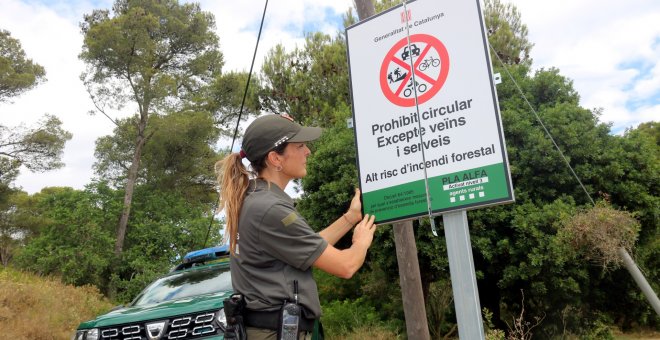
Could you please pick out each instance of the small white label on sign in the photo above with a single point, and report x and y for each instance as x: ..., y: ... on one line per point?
x: 497, y: 78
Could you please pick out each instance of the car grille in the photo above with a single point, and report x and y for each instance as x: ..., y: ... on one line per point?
x: 193, y: 326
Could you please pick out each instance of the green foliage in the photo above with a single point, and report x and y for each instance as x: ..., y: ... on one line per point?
x: 76, y: 242
x: 157, y: 54
x: 164, y: 228
x: 382, y: 290
x: 114, y: 153
x: 517, y: 248
x: 607, y: 166
x: 38, y: 148
x: 17, y: 73
x: 150, y: 52
x: 599, y: 330
x: 634, y: 179
x: 179, y: 156
x: 330, y: 287
x: 224, y: 96
x: 310, y: 83
x: 588, y: 325
x: 332, y: 176
x: 19, y: 222
x: 535, y: 162
x: 440, y: 309
x: 342, y: 317
x: 492, y: 333
x: 507, y: 35
x: 651, y: 129
x: 164, y: 57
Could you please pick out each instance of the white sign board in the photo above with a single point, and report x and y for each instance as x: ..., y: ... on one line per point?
x: 456, y: 123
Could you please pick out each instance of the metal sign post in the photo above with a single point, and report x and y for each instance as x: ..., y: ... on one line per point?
x: 463, y: 279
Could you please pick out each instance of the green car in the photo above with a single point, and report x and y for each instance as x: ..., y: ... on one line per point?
x: 184, y: 304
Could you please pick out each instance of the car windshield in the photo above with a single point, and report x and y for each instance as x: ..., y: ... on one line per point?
x: 185, y: 284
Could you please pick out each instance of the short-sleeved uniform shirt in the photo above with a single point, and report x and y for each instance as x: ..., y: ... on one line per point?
x: 275, y: 247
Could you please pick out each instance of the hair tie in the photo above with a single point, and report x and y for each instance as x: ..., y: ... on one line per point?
x: 242, y: 153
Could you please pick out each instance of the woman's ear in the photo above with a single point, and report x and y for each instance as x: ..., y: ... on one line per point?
x: 274, y: 159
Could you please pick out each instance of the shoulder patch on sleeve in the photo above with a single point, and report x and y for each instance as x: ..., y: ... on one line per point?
x: 290, y: 218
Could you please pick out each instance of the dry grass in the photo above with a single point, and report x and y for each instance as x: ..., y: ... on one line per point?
x: 371, y: 333
x: 34, y: 308
x: 639, y: 335
x: 600, y: 231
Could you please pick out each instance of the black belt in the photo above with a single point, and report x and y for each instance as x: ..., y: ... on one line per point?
x: 271, y: 320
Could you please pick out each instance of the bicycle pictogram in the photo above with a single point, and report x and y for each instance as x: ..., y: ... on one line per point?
x: 428, y: 62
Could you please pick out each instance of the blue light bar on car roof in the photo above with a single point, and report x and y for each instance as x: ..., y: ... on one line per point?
x: 207, y: 254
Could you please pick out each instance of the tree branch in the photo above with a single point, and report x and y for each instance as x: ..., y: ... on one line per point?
x: 99, y: 108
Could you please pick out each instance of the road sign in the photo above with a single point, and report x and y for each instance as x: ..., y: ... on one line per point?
x: 454, y: 136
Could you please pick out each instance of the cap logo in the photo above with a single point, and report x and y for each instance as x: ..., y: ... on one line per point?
x: 281, y: 140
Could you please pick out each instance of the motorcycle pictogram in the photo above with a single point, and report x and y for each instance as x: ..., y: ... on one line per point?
x: 421, y: 88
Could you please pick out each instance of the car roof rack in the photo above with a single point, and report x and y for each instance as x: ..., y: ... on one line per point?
x: 202, y: 256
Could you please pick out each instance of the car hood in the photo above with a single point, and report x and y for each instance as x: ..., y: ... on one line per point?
x: 193, y: 304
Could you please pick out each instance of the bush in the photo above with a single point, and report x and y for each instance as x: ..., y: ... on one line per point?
x: 598, y: 329
x: 343, y: 317
x: 440, y: 309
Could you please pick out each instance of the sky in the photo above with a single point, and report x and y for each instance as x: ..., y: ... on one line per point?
x: 611, y: 51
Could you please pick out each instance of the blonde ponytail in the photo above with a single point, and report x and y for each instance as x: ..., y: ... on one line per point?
x: 233, y: 179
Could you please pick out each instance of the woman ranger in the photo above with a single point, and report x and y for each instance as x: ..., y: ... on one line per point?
x: 273, y: 248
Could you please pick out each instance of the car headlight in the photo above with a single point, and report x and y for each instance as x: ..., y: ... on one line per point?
x: 86, y: 334
x: 92, y: 334
x: 222, y: 318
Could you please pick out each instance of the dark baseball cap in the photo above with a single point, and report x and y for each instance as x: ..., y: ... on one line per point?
x: 268, y: 132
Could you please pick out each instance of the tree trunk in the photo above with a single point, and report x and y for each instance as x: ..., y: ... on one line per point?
x: 365, y: 9
x: 130, y: 185
x: 5, y: 255
x: 414, y: 309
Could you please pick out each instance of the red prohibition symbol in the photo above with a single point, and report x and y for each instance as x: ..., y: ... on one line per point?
x: 430, y: 61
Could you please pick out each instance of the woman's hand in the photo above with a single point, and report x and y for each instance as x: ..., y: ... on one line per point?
x: 364, y: 232
x: 346, y: 262
x: 354, y: 213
